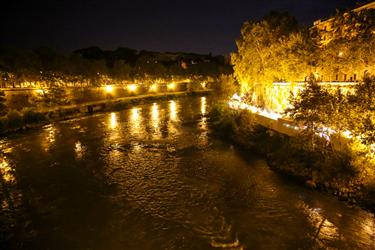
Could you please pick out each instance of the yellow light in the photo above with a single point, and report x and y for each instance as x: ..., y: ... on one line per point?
x: 171, y: 86
x: 173, y: 110
x: 113, y: 120
x: 132, y: 87
x: 203, y: 105
x: 341, y: 53
x: 153, y: 88
x: 108, y: 88
x: 203, y: 84
x: 40, y: 91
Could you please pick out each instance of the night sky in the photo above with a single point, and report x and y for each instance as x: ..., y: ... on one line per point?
x: 170, y: 25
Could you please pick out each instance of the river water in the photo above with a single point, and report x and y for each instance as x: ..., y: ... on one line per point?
x: 153, y: 177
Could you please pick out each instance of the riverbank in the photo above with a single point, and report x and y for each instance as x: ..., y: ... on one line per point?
x: 315, y: 164
x: 16, y: 121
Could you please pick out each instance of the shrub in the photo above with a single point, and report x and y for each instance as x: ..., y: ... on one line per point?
x: 15, y: 120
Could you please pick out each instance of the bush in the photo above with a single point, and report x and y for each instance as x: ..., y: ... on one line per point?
x: 32, y: 116
x: 15, y: 120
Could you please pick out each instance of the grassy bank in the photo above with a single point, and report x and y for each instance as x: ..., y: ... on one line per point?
x: 27, y: 118
x: 315, y: 164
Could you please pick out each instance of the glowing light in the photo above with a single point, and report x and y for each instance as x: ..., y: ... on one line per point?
x: 132, y: 87
x: 204, y: 84
x: 347, y: 134
x: 236, y: 102
x: 173, y: 110
x: 155, y: 113
x: 6, y: 172
x: 50, y: 138
x: 171, y: 86
x: 203, y: 105
x: 153, y: 88
x: 79, y: 150
x: 108, y: 88
x: 113, y: 120
x: 40, y: 91
x: 135, y: 114
x: 341, y: 54
x: 155, y: 121
x: 135, y: 121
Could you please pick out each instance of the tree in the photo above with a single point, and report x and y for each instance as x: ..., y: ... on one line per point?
x: 271, y: 50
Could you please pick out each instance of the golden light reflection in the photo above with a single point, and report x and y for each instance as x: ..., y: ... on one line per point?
x: 79, y: 150
x: 203, y: 105
x: 155, y: 119
x: 6, y: 172
x: 50, y: 138
x: 172, y: 110
x: 204, y: 84
x: 113, y: 121
x: 135, y: 120
x: 203, y: 137
x: 155, y: 115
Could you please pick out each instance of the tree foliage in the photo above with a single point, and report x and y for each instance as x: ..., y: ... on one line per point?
x: 316, y: 107
x: 271, y: 50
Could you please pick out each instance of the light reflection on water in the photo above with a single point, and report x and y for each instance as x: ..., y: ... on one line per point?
x: 155, y: 120
x: 6, y: 172
x: 173, y: 110
x: 170, y: 186
x: 79, y: 150
x: 135, y: 121
x: 49, y: 137
x: 113, y: 120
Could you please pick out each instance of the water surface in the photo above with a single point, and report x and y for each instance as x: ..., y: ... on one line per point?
x: 152, y: 177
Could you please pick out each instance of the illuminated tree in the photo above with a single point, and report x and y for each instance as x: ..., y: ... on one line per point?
x: 271, y: 50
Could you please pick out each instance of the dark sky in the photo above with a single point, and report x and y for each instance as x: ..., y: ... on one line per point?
x: 166, y: 25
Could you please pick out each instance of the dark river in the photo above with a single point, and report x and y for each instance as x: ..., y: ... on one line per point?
x: 152, y: 177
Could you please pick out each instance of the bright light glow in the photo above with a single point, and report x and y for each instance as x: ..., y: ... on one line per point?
x: 135, y: 114
x: 347, y: 134
x: 79, y: 149
x: 6, y: 172
x: 135, y: 121
x: 173, y: 110
x: 155, y: 119
x: 40, y: 91
x: 203, y: 84
x: 341, y: 54
x: 153, y: 88
x: 132, y: 87
x: 171, y: 86
x: 155, y: 112
x: 203, y: 105
x: 108, y: 88
x: 237, y: 103
x: 113, y: 120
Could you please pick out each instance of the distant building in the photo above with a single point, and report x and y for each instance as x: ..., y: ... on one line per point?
x: 326, y: 24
